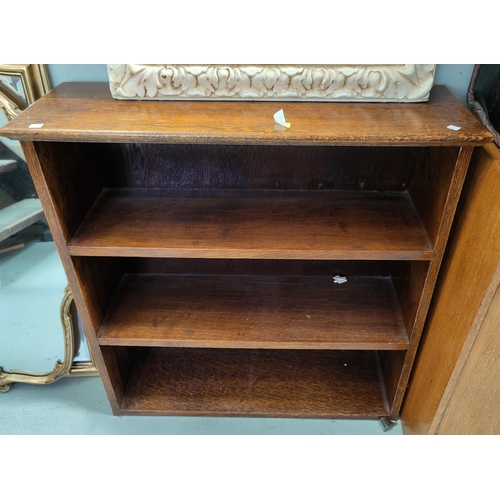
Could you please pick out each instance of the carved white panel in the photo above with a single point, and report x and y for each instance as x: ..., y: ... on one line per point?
x: 403, y: 82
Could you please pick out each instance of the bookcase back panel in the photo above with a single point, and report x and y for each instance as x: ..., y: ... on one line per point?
x: 259, y: 167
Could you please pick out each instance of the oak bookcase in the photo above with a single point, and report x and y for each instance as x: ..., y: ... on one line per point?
x: 200, y: 241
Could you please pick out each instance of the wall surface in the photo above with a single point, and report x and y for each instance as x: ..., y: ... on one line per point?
x: 455, y: 76
x: 60, y: 73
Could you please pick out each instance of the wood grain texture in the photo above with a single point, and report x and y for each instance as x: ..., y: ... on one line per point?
x: 260, y: 267
x: 409, y: 281
x: 369, y: 190
x: 49, y: 194
x: 453, y: 189
x: 255, y: 312
x: 233, y: 166
x: 119, y: 363
x: 474, y: 405
x: 87, y: 112
x: 392, y: 364
x: 430, y: 183
x: 100, y: 279
x: 260, y: 383
x: 74, y: 179
x: 253, y: 224
x: 462, y: 297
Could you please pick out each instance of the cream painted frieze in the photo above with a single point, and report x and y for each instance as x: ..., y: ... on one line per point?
x: 335, y: 82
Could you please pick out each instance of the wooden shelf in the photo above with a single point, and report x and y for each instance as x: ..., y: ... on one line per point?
x: 255, y: 312
x: 220, y: 382
x: 253, y: 224
x: 86, y: 112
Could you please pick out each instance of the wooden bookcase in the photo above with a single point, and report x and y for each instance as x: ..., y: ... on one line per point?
x: 454, y: 385
x: 200, y: 241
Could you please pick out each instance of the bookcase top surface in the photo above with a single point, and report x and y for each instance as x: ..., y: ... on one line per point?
x: 86, y: 112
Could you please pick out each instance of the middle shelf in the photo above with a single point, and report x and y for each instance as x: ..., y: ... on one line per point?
x: 253, y: 224
x: 271, y: 312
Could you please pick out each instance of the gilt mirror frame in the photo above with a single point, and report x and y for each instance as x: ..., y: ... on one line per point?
x: 35, y: 82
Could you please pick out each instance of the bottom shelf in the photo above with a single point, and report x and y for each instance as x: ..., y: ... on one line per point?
x: 260, y: 383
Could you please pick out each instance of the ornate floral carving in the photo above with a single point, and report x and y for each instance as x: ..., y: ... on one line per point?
x: 405, y: 82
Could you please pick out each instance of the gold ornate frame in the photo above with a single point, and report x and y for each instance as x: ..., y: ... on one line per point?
x: 35, y: 82
x: 69, y: 319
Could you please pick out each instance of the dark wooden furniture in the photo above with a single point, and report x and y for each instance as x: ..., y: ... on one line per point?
x: 200, y: 241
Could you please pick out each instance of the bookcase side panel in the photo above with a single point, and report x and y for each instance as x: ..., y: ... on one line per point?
x: 74, y: 178
x: 55, y: 209
x: 448, y: 188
